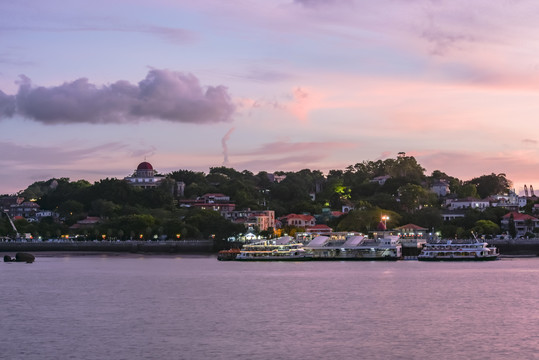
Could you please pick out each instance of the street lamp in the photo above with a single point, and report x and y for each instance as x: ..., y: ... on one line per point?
x: 385, y: 218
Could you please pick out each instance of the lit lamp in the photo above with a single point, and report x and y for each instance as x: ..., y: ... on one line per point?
x: 178, y: 236
x: 385, y: 218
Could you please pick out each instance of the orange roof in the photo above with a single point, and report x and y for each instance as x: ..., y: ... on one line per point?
x: 411, y: 227
x: 302, y: 217
x: 519, y: 216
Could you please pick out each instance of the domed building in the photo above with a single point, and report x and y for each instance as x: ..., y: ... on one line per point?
x: 145, y: 176
x: 145, y: 169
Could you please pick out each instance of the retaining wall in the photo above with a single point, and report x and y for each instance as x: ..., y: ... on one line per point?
x: 184, y: 246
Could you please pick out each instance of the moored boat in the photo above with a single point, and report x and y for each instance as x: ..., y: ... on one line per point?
x: 276, y: 250
x: 457, y: 251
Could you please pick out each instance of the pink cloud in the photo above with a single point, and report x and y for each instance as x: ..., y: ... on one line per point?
x: 163, y: 94
x: 300, y: 102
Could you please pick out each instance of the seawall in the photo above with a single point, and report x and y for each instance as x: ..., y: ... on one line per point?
x: 183, y: 246
x: 517, y: 246
x: 528, y: 247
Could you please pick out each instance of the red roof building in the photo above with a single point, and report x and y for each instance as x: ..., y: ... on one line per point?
x: 412, y: 231
x: 145, y: 176
x: 524, y: 223
x: 144, y: 166
x: 299, y: 220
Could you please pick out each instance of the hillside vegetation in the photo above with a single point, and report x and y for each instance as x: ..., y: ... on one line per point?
x: 127, y: 212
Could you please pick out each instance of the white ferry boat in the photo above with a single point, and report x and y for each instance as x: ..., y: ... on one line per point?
x: 281, y: 249
x: 354, y: 247
x: 455, y: 251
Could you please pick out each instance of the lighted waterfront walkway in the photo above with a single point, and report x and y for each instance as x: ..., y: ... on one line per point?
x: 111, y: 246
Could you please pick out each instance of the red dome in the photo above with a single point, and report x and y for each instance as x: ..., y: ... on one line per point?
x: 145, y: 166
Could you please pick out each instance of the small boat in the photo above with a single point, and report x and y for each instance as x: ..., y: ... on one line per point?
x: 456, y: 251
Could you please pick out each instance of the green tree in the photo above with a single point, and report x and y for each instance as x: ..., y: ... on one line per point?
x: 467, y: 190
x: 428, y: 217
x: 414, y: 197
x: 406, y: 167
x: 210, y: 223
x: 367, y: 220
x: 512, y: 227
x: 189, y: 177
x: 70, y: 208
x: 104, y: 208
x: 491, y: 184
x: 486, y: 227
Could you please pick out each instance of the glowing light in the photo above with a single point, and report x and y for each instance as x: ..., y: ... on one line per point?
x: 385, y: 218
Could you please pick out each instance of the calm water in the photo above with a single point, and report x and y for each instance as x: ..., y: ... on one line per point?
x: 189, y: 307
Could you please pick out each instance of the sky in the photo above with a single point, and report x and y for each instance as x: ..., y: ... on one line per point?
x: 88, y: 90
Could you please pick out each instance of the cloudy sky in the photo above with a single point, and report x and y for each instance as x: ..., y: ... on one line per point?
x: 90, y: 89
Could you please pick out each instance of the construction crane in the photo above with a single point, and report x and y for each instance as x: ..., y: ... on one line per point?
x: 17, y: 235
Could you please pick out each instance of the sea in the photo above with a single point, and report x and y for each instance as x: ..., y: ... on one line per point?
x: 127, y: 306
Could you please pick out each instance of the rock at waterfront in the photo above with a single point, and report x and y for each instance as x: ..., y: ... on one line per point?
x: 7, y: 258
x: 24, y: 257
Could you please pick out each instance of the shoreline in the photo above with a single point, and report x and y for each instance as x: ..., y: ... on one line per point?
x: 506, y: 249
x: 133, y: 247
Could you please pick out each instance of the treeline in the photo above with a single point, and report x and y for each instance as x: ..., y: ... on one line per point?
x: 128, y: 212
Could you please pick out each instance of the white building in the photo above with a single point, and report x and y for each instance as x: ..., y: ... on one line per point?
x: 381, y: 180
x: 440, y: 188
x: 145, y: 176
x: 467, y: 203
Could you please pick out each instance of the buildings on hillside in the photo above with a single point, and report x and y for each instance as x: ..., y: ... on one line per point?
x: 263, y: 220
x: 440, y: 188
x: 145, y: 176
x: 298, y: 220
x: 217, y: 202
x: 523, y: 223
x: 510, y: 201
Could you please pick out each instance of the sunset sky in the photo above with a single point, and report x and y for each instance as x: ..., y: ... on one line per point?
x: 90, y: 89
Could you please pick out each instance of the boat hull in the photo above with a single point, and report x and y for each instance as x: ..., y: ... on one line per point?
x: 350, y: 254
x: 460, y: 258
x: 355, y: 259
x: 273, y: 258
